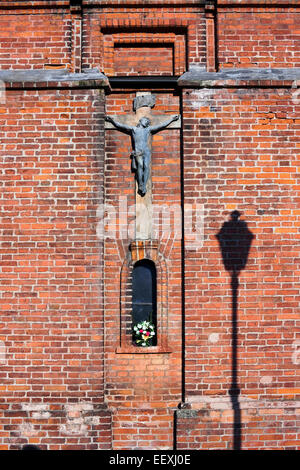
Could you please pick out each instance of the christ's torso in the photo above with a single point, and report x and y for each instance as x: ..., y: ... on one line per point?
x: 141, y: 138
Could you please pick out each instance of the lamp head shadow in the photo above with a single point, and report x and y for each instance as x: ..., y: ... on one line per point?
x: 235, y: 241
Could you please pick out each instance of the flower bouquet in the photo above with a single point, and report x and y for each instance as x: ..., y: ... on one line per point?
x: 143, y: 333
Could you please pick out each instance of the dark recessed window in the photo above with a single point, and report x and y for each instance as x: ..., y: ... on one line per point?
x: 144, y: 292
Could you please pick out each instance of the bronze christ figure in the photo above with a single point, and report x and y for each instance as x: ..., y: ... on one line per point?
x: 141, y: 154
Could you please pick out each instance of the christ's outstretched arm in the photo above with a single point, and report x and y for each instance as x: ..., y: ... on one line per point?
x: 163, y: 125
x: 118, y: 125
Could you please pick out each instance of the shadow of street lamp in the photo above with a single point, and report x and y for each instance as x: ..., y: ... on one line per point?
x: 235, y: 240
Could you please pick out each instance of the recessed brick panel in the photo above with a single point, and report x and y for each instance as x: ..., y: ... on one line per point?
x: 183, y: 28
x: 144, y: 59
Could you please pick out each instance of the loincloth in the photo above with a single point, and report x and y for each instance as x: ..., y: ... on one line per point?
x: 134, y: 155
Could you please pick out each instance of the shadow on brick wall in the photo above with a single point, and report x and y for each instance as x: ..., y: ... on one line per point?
x: 235, y: 240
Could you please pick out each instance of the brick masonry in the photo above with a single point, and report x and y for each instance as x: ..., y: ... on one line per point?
x: 246, y: 160
x: 35, y: 40
x: 226, y: 372
x: 147, y: 384
x: 271, y: 38
x: 52, y: 320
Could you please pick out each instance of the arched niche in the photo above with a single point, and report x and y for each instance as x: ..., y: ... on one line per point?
x: 143, y: 288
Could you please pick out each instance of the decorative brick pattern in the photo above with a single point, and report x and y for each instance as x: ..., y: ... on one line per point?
x: 147, y: 53
x: 144, y: 249
x: 185, y: 29
x: 139, y: 250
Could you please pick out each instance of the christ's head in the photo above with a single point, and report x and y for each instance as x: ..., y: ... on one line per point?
x: 144, y: 121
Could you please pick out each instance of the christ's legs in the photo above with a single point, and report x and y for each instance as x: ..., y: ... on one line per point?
x: 147, y: 157
x: 140, y: 172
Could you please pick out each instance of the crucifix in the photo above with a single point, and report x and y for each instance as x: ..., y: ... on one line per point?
x: 141, y: 126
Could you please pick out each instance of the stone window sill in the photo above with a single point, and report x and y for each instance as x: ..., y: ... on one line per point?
x: 130, y: 349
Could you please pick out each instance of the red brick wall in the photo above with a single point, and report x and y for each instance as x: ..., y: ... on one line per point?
x: 258, y: 37
x: 143, y: 428
x: 147, y: 386
x: 246, y: 159
x: 144, y: 24
x: 64, y: 383
x: 144, y: 60
x: 35, y: 40
x: 262, y: 428
x: 52, y: 309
